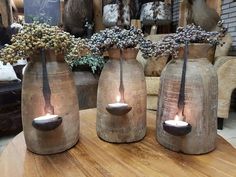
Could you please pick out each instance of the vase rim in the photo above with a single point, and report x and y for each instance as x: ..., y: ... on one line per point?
x: 51, y: 55
x: 47, y: 50
x: 125, y: 49
x: 198, y: 44
x: 128, y: 53
x: 198, y: 50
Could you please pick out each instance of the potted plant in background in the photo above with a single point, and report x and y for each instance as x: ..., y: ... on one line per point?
x: 88, y: 62
x: 49, y: 98
x: 86, y: 69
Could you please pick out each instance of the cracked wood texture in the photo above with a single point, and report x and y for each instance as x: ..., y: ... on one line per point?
x: 225, y: 66
x: 200, y: 109
x: 93, y: 157
x: 63, y: 99
x: 129, y: 127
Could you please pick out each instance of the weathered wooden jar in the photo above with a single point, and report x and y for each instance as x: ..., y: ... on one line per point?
x: 200, y: 109
x: 111, y: 14
x: 63, y: 99
x: 155, y: 13
x: 78, y: 17
x: 111, y: 10
x: 129, y: 127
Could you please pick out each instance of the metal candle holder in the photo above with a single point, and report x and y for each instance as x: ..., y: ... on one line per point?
x: 121, y: 110
x: 47, y: 124
x: 173, y: 129
x: 50, y: 121
x: 177, y: 131
x: 118, y: 111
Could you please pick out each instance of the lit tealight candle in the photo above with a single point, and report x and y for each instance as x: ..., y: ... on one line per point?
x: 118, y: 108
x: 47, y: 122
x: 46, y: 118
x: 176, y: 123
x: 118, y: 104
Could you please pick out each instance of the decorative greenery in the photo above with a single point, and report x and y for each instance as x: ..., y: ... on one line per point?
x: 115, y: 38
x: 37, y: 36
x: 96, y: 63
x: 170, y: 44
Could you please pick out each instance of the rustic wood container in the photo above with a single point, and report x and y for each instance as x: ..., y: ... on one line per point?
x: 76, y: 14
x: 130, y: 127
x: 200, y: 111
x: 161, y: 17
x: 63, y: 98
x: 111, y: 14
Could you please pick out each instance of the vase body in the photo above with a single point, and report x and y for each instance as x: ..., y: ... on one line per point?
x: 63, y: 99
x: 200, y: 109
x: 130, y: 127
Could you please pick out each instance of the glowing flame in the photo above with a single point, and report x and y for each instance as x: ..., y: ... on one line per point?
x: 118, y: 99
x: 177, y: 117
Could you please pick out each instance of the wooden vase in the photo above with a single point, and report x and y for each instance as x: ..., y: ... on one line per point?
x: 200, y: 109
x: 130, y: 127
x: 63, y: 98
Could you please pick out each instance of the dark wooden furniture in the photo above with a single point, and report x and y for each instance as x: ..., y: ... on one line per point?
x: 10, y: 105
x: 87, y: 85
x: 94, y: 157
x: 10, y: 108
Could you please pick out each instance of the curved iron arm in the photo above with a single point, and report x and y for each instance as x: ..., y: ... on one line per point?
x: 121, y: 89
x: 181, y: 101
x: 46, y: 87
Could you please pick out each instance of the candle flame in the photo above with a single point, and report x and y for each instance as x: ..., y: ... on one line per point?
x: 177, y: 117
x: 118, y: 99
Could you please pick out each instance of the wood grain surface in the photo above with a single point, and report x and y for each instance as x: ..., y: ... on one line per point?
x: 200, y: 102
x: 183, y: 11
x: 130, y: 127
x: 6, y: 12
x: 225, y: 67
x: 94, y: 157
x: 63, y: 98
x: 98, y: 19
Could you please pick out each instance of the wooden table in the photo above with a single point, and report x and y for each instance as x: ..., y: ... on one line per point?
x: 94, y: 157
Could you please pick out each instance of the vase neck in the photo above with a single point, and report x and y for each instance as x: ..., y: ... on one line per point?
x: 50, y: 55
x: 127, y: 54
x: 197, y: 51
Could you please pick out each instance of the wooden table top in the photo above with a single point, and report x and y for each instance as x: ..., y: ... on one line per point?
x: 94, y: 157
